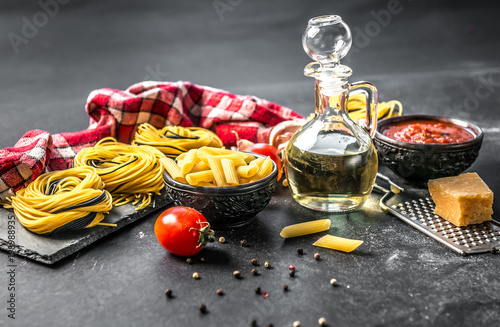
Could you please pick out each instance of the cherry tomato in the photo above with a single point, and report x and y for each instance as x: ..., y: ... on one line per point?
x: 183, y: 231
x: 267, y: 150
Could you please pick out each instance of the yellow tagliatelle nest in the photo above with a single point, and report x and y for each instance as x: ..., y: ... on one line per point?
x: 208, y: 166
x: 174, y: 140
x: 357, y: 108
x: 63, y: 200
x: 130, y: 173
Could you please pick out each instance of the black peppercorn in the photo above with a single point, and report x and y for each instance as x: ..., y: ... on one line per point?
x: 189, y: 261
x: 254, y: 262
x: 257, y: 290
x: 253, y: 323
x: 285, y: 287
x: 203, y: 308
x: 300, y: 251
x: 255, y: 272
x: 269, y: 325
x: 292, y: 273
x: 168, y: 293
x: 243, y: 243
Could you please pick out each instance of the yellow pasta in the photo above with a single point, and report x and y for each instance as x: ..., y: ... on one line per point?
x: 174, y: 140
x: 357, y: 107
x: 247, y: 171
x: 130, y: 173
x: 216, y: 168
x: 202, y: 176
x: 265, y: 169
x: 306, y: 228
x: 61, y: 201
x: 338, y: 243
x: 237, y: 159
x: 200, y: 166
x: 208, y: 166
x: 204, y: 151
x: 189, y: 161
x: 230, y: 172
x: 173, y: 169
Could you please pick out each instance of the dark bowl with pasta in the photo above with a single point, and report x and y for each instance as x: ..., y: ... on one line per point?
x: 224, y: 207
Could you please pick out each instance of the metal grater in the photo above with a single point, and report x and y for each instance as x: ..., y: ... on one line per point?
x: 416, y: 208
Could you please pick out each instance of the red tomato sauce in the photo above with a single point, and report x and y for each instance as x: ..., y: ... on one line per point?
x: 428, y: 132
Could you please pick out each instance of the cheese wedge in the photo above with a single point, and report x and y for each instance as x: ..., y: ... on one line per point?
x: 462, y: 200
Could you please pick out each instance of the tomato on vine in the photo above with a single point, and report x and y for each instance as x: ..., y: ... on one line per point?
x: 183, y: 231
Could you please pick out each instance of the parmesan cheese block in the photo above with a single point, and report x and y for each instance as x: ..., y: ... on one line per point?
x: 462, y: 200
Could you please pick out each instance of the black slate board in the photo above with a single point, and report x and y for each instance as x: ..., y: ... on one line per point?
x: 50, y: 249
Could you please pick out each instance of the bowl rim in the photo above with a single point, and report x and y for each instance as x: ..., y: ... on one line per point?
x: 224, y: 190
x: 478, y: 138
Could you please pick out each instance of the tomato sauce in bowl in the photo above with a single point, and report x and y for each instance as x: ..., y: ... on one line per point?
x: 428, y: 132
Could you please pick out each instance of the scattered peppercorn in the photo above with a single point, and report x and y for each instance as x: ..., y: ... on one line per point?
x: 269, y: 325
x: 291, y: 267
x: 253, y: 323
x: 222, y: 239
x: 220, y: 291
x: 300, y: 251
x: 265, y: 294
x: 317, y: 256
x: 196, y: 275
x: 255, y: 272
x: 322, y: 321
x: 168, y: 293
x: 292, y: 273
x: 244, y: 243
x: 203, y: 308
x: 285, y: 288
x: 254, y: 262
x: 203, y: 259
x: 296, y: 323
x: 285, y: 182
x: 257, y: 290
x: 267, y: 264
x: 189, y: 261
x: 237, y: 274
x: 333, y: 281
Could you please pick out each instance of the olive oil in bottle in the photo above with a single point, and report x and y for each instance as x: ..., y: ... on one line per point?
x: 335, y: 174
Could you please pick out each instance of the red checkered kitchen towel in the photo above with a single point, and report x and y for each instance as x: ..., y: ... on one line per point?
x: 118, y: 113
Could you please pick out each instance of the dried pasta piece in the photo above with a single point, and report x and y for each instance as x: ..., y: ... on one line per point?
x: 200, y: 166
x: 189, y: 161
x: 202, y: 176
x: 204, y: 151
x: 217, y: 171
x: 265, y: 169
x: 230, y: 172
x: 306, y: 228
x: 337, y: 243
x: 247, y: 171
x: 173, y: 169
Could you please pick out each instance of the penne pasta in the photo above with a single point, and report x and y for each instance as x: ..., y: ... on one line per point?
x: 247, y: 171
x: 338, y: 243
x: 306, y: 228
x: 200, y: 166
x: 230, y: 172
x: 265, y: 169
x: 173, y: 169
x: 216, y: 168
x: 202, y: 176
x: 189, y: 161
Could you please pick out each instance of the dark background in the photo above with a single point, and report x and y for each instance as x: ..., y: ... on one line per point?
x: 431, y: 56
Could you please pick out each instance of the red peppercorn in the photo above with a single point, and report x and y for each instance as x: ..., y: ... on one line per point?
x: 291, y: 267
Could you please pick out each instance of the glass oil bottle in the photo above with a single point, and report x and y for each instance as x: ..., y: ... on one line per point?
x: 331, y: 162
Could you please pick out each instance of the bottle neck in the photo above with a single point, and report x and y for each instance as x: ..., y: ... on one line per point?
x: 331, y: 96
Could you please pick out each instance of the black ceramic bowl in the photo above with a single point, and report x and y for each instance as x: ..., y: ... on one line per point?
x: 421, y: 162
x: 225, y: 207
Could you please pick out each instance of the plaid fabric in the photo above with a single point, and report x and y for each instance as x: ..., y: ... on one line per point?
x: 119, y: 113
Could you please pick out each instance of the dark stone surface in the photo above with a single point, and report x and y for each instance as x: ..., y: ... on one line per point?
x: 432, y: 56
x: 52, y: 248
